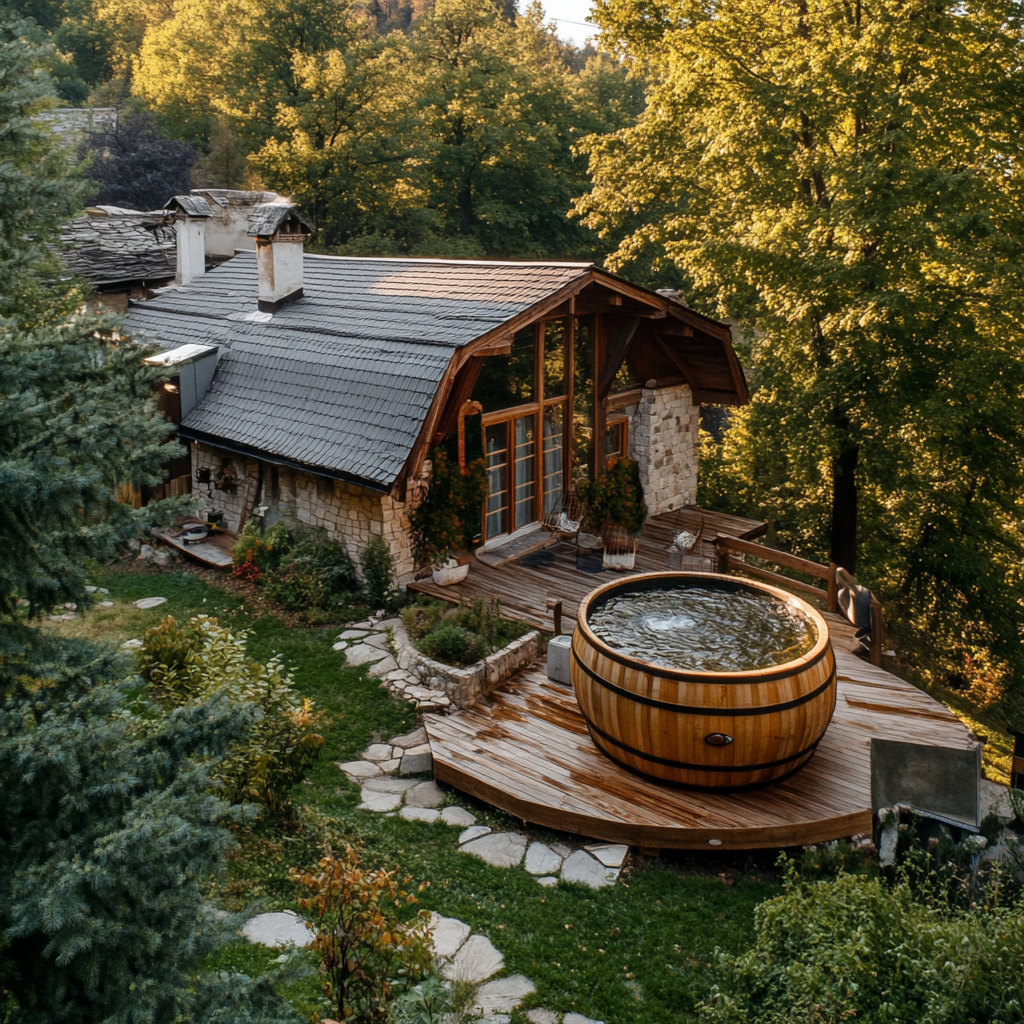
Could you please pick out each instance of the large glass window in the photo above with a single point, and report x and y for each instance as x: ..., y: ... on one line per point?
x: 583, y: 399
x: 553, y: 440
x: 497, y: 479
x: 508, y: 381
x: 526, y: 471
x: 554, y: 359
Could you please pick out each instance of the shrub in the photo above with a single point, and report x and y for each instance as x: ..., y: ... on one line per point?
x: 453, y: 644
x: 296, y: 588
x: 366, y: 952
x: 265, y: 550
x: 448, y: 516
x: 183, y: 666
x: 614, y: 498
x: 379, y: 572
x: 856, y: 948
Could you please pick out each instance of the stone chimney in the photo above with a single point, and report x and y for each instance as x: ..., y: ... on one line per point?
x: 280, y: 234
x: 190, y: 216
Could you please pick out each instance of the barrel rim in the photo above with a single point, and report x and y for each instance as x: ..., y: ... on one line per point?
x: 760, y: 675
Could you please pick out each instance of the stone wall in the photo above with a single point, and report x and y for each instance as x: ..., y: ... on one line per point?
x: 346, y: 513
x: 663, y: 440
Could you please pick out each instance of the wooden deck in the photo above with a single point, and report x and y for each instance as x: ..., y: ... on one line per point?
x: 526, y: 750
x: 525, y: 587
x: 214, y: 551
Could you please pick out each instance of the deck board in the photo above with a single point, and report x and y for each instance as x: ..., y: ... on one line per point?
x: 526, y: 749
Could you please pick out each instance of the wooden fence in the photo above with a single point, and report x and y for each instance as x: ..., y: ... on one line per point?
x: 833, y: 577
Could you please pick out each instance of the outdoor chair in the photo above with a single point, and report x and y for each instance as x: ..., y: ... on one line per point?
x: 686, y: 553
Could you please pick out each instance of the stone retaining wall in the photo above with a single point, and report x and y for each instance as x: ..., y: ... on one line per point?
x: 462, y: 686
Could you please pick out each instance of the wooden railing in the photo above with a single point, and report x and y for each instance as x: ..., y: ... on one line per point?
x: 833, y: 576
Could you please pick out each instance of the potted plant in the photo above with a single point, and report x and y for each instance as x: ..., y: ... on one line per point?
x: 613, y: 506
x: 445, y: 522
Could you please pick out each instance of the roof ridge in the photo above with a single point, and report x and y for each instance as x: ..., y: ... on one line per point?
x: 457, y: 262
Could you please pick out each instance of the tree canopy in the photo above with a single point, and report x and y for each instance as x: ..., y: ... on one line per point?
x: 846, y: 180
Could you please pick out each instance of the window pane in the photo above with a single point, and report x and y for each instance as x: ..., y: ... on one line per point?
x: 552, y: 459
x: 554, y: 359
x: 526, y: 471
x: 497, y: 479
x: 583, y: 400
x: 614, y: 441
x: 507, y: 381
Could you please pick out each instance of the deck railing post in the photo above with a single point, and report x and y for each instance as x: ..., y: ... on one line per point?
x: 721, y: 556
x: 832, y: 601
x: 555, y: 607
x: 876, y: 632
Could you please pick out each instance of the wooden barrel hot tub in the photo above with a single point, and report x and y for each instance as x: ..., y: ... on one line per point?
x: 699, y: 729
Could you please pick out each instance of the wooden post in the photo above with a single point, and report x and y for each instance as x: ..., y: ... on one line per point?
x: 555, y: 607
x: 600, y: 416
x: 570, y: 398
x: 721, y: 556
x: 876, y: 631
x: 832, y: 601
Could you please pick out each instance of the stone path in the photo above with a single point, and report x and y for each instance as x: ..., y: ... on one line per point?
x: 368, y: 643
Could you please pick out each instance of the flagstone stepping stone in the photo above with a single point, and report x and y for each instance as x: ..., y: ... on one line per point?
x: 381, y: 785
x: 90, y: 590
x: 561, y: 849
x: 581, y: 867
x: 611, y: 856
x: 474, y: 833
x: 359, y: 769
x: 476, y: 961
x: 376, y: 801
x: 411, y: 739
x: 390, y: 623
x: 578, y: 1018
x: 548, y: 881
x: 277, y: 929
x: 352, y: 634
x: 68, y: 617
x: 149, y: 602
x: 416, y: 760
x: 341, y: 645
x: 390, y: 766
x: 419, y: 813
x: 494, y: 1018
x: 377, y: 640
x: 426, y: 794
x: 500, y: 849
x: 364, y: 626
x: 447, y: 935
x: 542, y: 1015
x: 102, y: 590
x: 383, y: 667
x: 503, y: 994
x: 377, y: 752
x: 131, y: 645
x: 106, y: 604
x: 542, y: 860
x: 362, y: 654
x: 457, y: 816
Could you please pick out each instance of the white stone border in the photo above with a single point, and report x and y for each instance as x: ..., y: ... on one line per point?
x: 462, y: 686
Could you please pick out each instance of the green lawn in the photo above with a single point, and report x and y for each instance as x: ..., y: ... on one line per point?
x: 637, y: 952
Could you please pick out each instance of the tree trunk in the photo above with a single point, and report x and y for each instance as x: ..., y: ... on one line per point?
x: 844, y: 507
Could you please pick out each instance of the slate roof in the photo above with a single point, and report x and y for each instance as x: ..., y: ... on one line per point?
x: 120, y: 246
x: 342, y: 379
x: 192, y: 205
x: 267, y: 218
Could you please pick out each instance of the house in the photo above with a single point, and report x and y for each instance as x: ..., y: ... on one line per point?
x: 133, y: 253
x: 316, y: 387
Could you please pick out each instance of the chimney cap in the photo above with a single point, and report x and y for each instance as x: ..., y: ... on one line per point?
x: 191, y: 206
x: 267, y: 219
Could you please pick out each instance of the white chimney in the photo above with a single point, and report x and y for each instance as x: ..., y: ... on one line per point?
x: 190, y: 216
x: 280, y: 234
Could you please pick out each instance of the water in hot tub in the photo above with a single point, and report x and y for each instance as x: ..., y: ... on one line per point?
x: 705, y: 629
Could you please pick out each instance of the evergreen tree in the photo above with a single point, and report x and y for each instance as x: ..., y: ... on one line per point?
x: 847, y: 180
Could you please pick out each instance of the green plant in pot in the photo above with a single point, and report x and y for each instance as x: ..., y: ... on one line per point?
x: 446, y: 522
x: 613, y: 506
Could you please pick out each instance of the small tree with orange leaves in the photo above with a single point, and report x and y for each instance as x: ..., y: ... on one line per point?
x: 364, y: 948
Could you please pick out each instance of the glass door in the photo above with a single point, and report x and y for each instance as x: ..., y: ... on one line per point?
x: 497, y: 479
x: 526, y: 471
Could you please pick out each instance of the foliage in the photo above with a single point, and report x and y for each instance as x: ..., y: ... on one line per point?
x: 202, y: 659
x: 316, y: 573
x: 379, y: 573
x: 614, y: 498
x: 461, y: 635
x: 858, y: 948
x: 365, y: 949
x: 427, y: 1002
x: 265, y: 550
x: 447, y: 518
x: 38, y: 190
x: 108, y: 836
x: 135, y: 165
x: 851, y: 190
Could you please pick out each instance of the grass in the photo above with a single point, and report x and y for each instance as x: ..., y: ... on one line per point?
x: 636, y: 953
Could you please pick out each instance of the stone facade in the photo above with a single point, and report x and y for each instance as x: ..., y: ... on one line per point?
x: 346, y: 513
x: 663, y: 440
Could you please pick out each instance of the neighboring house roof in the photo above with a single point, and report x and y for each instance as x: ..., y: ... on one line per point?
x: 191, y: 205
x: 342, y: 379
x: 71, y: 124
x: 266, y: 218
x: 111, y: 246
